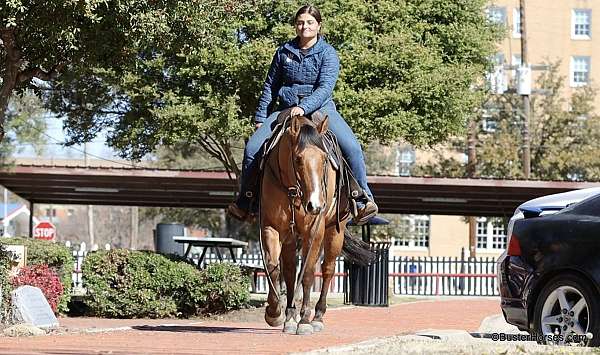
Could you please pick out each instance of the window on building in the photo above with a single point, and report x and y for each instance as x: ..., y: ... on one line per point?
x: 490, y: 234
x: 422, y: 232
x: 581, y: 24
x: 488, y: 122
x: 402, y: 239
x: 498, y: 58
x: 517, y: 26
x: 406, y: 160
x: 515, y: 59
x: 482, y: 241
x: 413, y: 232
x: 497, y: 78
x: 497, y: 14
x: 580, y: 71
x: 50, y: 212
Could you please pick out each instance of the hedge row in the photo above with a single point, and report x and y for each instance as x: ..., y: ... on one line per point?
x: 133, y: 284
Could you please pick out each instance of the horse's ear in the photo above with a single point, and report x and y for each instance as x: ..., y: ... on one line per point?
x: 323, y: 125
x: 295, y: 126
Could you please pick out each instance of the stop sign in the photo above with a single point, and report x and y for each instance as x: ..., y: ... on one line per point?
x: 44, y: 230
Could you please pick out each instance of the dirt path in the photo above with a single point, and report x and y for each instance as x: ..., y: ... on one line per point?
x: 343, y: 326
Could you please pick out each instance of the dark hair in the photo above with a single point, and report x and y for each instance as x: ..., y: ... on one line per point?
x: 308, y: 9
x: 310, y: 136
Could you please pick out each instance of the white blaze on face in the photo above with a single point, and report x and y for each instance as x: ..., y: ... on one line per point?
x: 315, y: 196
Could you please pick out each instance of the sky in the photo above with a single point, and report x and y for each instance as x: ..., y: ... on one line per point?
x: 53, y: 148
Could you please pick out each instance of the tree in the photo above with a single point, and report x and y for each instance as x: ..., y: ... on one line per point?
x: 44, y: 39
x: 565, y: 136
x: 407, y: 72
x: 25, y: 126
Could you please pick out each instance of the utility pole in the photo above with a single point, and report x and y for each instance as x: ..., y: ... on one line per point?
x: 526, y: 99
x: 90, y: 208
x: 4, y: 219
x: 134, y: 227
x: 471, y: 168
x: 134, y: 224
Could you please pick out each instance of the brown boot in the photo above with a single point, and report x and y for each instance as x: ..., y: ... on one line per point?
x: 365, y: 212
x: 241, y: 215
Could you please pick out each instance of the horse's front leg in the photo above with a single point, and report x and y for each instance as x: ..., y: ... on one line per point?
x: 332, y: 247
x: 288, y: 259
x: 312, y: 254
x: 273, y: 314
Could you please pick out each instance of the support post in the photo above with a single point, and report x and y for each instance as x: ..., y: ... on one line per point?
x: 526, y: 99
x: 31, y: 206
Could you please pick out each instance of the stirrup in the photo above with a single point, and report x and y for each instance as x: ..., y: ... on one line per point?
x: 236, y: 212
x: 364, y: 214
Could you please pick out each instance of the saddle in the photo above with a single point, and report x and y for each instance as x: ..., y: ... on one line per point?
x: 347, y: 188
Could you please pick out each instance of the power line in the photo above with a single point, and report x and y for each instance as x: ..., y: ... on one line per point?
x: 61, y: 143
x: 79, y: 150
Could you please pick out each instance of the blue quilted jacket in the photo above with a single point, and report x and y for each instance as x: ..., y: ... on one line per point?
x: 300, y: 80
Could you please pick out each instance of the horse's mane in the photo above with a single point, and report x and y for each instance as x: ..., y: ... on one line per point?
x: 309, y: 135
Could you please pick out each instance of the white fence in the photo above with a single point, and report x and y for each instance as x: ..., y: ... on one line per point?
x: 409, y: 275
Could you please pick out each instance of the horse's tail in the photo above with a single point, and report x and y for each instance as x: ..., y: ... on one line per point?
x: 356, y: 251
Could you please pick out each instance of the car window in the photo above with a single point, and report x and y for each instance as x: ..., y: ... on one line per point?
x: 589, y: 206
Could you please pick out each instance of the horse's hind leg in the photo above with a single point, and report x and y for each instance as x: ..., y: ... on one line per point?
x: 332, y: 248
x: 273, y: 314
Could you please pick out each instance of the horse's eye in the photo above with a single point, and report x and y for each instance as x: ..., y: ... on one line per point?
x: 298, y: 160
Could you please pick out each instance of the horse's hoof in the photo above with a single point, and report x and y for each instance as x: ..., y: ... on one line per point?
x: 290, y: 327
x: 275, y: 321
x: 304, y: 329
x: 317, y: 326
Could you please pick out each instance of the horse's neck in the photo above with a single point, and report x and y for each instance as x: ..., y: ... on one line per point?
x: 280, y: 162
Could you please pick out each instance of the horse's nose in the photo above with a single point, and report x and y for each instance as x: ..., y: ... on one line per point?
x: 313, y: 208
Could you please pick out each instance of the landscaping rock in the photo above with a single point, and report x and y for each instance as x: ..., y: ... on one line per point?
x: 30, y: 306
x: 23, y: 330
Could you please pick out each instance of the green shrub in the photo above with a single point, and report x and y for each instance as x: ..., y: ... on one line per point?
x: 128, y: 284
x: 134, y: 284
x: 56, y: 256
x: 224, y: 287
x: 5, y: 285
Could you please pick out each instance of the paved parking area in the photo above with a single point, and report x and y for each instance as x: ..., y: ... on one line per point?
x: 344, y: 325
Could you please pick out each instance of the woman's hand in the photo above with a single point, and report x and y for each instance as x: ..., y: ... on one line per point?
x: 257, y: 125
x: 297, y: 111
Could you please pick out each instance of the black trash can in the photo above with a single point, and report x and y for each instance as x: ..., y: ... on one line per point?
x: 163, y: 238
x: 368, y: 285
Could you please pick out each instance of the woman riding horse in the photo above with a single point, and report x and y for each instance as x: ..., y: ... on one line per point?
x: 299, y: 208
x: 302, y: 75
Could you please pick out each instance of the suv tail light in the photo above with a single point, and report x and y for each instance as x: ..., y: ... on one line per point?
x: 514, y: 246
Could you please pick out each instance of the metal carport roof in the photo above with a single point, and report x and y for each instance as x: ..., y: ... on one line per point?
x: 205, y: 189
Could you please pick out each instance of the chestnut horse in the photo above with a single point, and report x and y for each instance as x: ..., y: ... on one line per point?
x: 298, y: 209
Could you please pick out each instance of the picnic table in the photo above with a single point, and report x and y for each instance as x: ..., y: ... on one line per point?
x: 213, y: 243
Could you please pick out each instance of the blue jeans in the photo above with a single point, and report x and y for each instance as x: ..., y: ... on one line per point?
x: 349, y: 146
